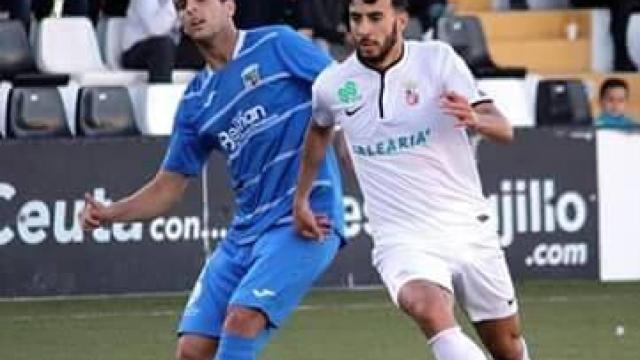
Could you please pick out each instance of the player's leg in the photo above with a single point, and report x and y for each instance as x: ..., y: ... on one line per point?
x: 429, y: 304
x: 503, y: 338
x: 201, y: 325
x: 420, y: 284
x: 196, y: 347
x: 486, y: 292
x: 283, y: 268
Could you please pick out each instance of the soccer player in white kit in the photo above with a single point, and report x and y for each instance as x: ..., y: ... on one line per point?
x: 405, y: 109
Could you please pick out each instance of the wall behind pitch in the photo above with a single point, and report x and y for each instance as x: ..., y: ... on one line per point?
x: 544, y: 190
x: 619, y: 178
x: 42, y: 248
x: 543, y: 187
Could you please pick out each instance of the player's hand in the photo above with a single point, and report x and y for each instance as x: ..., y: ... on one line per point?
x: 456, y: 105
x: 309, y: 224
x: 94, y: 214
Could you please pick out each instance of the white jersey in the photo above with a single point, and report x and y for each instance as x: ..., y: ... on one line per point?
x: 416, y: 169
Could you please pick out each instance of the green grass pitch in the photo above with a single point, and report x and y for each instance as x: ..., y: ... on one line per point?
x: 564, y: 320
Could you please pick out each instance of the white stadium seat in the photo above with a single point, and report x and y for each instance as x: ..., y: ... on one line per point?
x: 70, y: 46
x: 633, y: 39
x: 113, y: 41
x: 157, y: 106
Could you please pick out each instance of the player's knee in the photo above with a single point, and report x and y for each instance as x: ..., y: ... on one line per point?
x: 432, y: 317
x: 244, y: 322
x: 188, y: 349
x: 507, y: 347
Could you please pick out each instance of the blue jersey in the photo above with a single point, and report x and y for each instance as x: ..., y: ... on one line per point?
x: 255, y: 110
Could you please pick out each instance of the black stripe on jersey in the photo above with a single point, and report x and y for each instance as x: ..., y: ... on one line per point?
x: 481, y: 101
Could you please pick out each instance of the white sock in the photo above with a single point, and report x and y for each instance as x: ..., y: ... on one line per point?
x: 525, y: 351
x: 453, y: 344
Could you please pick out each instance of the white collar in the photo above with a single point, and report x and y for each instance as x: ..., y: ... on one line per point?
x: 239, y: 43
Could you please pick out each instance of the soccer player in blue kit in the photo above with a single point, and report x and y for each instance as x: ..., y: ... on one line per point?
x: 253, y: 104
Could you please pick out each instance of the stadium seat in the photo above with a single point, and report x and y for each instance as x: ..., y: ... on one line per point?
x: 548, y: 4
x: 69, y: 45
x: 562, y: 102
x: 17, y: 64
x: 159, y: 104
x: 466, y: 36
x: 105, y: 111
x: 5, y: 87
x: 112, y: 41
x: 36, y: 113
x: 633, y: 39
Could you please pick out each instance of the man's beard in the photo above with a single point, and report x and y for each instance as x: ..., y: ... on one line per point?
x: 388, y: 44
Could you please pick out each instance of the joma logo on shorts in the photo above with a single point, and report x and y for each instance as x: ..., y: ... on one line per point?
x: 239, y: 125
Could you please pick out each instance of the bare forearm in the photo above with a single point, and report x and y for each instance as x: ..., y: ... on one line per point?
x: 493, y: 125
x: 315, y: 146
x: 494, y: 129
x: 154, y: 199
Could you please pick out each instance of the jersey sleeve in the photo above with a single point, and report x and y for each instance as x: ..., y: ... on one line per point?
x: 186, y: 153
x: 457, y: 77
x: 300, y: 55
x: 321, y: 105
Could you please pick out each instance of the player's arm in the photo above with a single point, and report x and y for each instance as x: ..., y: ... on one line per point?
x: 315, y: 145
x: 153, y: 199
x: 484, y: 118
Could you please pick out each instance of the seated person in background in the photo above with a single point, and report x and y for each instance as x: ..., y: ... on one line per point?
x: 23, y: 9
x: 150, y: 37
x: 427, y: 12
x: 621, y: 11
x: 329, y: 26
x: 614, y: 94
x: 256, y: 13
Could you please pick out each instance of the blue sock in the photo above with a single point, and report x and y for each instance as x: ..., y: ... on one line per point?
x: 234, y: 347
x: 263, y: 339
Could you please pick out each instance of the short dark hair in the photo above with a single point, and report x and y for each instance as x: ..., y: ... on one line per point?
x: 397, y: 4
x: 612, y: 83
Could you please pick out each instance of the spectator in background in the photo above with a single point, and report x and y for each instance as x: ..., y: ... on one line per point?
x: 254, y: 13
x: 150, y: 37
x: 109, y: 8
x: 427, y: 12
x: 614, y: 95
x: 329, y: 26
x: 23, y: 9
x: 620, y: 13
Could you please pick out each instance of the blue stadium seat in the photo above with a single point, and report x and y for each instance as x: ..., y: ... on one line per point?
x: 36, y: 113
x: 105, y: 111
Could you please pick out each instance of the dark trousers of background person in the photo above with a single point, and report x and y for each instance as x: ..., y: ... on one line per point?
x: 518, y: 4
x: 22, y: 9
x: 156, y: 54
x: 621, y: 11
x: 188, y: 56
x: 427, y: 12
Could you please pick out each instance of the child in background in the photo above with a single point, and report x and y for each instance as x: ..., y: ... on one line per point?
x: 614, y: 95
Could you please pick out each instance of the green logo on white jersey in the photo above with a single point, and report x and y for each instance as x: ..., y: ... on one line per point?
x: 349, y: 93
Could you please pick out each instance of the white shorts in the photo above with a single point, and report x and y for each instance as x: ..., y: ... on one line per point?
x: 477, y: 275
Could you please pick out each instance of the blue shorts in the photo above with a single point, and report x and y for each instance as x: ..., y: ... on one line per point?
x: 271, y: 275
